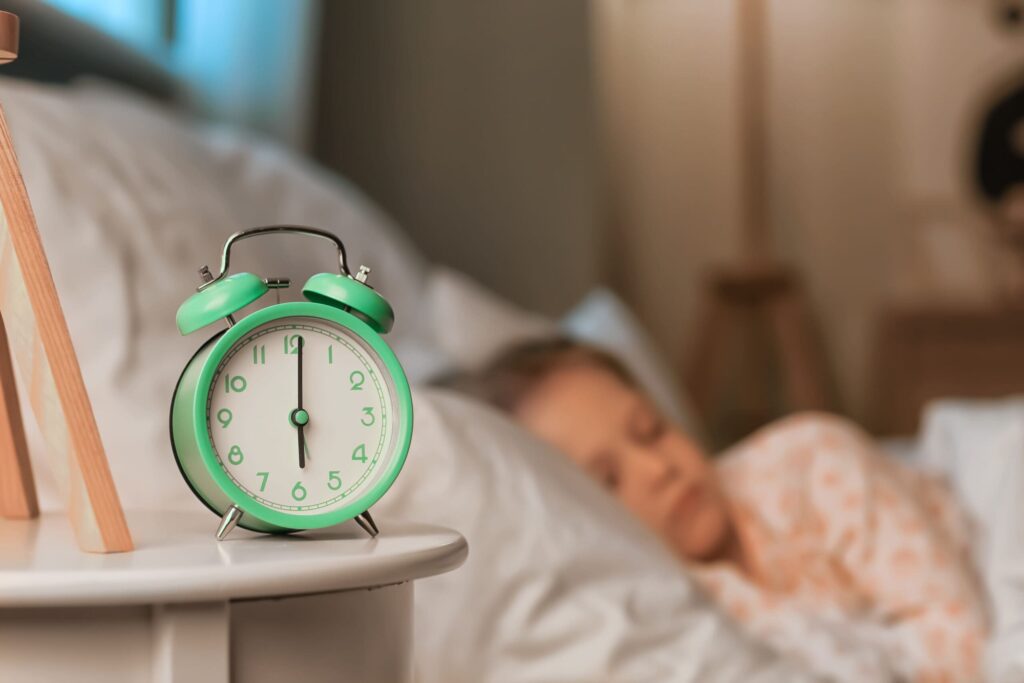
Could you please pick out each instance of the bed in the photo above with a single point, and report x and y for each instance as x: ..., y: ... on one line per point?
x: 132, y: 196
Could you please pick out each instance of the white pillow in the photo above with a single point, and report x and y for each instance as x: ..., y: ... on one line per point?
x: 130, y: 200
x: 603, y: 319
x: 471, y: 324
x: 561, y: 584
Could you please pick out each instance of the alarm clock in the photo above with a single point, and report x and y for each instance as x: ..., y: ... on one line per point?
x: 295, y: 416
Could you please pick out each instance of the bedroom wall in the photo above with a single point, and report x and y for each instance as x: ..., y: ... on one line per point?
x: 473, y: 124
x: 667, y: 80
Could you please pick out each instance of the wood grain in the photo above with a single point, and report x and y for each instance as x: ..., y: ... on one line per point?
x: 45, y: 358
x: 17, y: 488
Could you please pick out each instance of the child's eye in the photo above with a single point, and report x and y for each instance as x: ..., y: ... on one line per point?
x: 649, y: 427
x: 607, y: 475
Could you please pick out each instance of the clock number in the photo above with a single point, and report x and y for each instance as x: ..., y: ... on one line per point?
x: 298, y: 491
x: 259, y: 354
x: 224, y: 417
x: 333, y: 481
x: 357, y: 378
x: 330, y: 354
x: 235, y: 456
x: 368, y: 414
x: 263, y: 476
x: 359, y: 454
x: 234, y: 383
x: 292, y: 342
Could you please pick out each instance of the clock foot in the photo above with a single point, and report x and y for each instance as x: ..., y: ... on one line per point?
x: 228, y: 522
x: 366, y: 522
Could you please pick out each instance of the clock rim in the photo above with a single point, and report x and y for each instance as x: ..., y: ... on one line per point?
x: 207, y: 455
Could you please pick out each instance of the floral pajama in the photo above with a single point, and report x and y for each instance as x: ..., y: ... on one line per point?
x: 860, y: 565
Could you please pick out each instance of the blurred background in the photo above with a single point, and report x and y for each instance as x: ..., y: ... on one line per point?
x: 807, y: 204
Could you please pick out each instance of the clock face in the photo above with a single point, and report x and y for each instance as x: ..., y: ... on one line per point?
x: 302, y: 415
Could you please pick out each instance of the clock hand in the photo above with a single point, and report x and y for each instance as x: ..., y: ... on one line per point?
x: 299, y: 418
x: 301, y: 427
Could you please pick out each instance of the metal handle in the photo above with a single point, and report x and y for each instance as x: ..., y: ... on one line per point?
x: 225, y: 259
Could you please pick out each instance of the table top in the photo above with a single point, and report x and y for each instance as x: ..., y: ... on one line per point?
x: 177, y: 559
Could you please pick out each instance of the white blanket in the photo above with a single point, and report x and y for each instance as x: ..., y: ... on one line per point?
x: 980, y: 446
x: 561, y: 584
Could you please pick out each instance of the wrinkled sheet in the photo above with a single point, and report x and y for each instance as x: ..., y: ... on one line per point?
x: 979, y: 445
x: 560, y: 584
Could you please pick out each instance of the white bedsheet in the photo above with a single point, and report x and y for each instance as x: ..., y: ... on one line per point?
x: 560, y: 583
x: 980, y: 446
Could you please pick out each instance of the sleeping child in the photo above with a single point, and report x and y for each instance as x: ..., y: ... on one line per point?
x: 802, y: 526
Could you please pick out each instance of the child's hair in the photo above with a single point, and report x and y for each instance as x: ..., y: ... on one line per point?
x: 517, y: 370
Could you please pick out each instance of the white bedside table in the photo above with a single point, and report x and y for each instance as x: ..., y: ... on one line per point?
x: 330, y: 605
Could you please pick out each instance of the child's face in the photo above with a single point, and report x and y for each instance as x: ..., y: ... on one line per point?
x: 614, y: 432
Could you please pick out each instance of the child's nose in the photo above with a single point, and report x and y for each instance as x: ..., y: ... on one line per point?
x: 662, y: 469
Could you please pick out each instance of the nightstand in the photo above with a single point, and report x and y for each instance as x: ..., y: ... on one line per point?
x: 327, y: 605
x: 925, y: 353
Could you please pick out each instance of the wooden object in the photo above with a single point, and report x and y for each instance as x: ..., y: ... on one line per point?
x: 771, y: 300
x: 36, y: 335
x: 757, y: 289
x: 17, y: 491
x: 925, y: 353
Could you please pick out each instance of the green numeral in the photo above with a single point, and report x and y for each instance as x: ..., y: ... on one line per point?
x: 298, y: 491
x: 330, y: 354
x: 259, y: 354
x: 235, y: 456
x: 333, y: 481
x: 224, y: 417
x: 263, y: 484
x: 292, y: 342
x: 368, y: 413
x: 359, y: 453
x: 236, y: 384
x: 357, y: 378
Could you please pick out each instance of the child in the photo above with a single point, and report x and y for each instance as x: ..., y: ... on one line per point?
x: 802, y: 527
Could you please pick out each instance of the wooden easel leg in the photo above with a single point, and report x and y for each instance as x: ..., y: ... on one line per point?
x: 17, y: 488
x: 703, y: 366
x: 802, y: 363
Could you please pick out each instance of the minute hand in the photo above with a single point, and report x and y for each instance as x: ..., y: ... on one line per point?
x: 301, y: 426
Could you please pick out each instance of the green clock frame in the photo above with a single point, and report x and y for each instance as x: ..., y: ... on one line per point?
x: 193, y: 450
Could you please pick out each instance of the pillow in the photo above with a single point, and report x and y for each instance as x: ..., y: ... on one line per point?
x: 605, y: 321
x: 561, y: 584
x: 130, y: 200
x: 471, y: 324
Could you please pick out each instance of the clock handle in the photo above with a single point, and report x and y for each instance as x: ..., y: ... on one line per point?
x: 225, y: 259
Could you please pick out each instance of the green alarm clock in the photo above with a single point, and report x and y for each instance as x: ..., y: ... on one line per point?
x: 298, y: 415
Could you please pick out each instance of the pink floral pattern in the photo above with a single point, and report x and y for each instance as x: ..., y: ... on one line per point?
x: 860, y: 564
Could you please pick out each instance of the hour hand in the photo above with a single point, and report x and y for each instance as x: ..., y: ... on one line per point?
x: 299, y: 419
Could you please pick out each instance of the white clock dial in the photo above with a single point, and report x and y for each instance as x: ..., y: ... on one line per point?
x: 348, y: 424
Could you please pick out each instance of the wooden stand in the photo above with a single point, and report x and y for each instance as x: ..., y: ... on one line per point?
x: 757, y: 289
x: 739, y: 299
x: 35, y: 335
